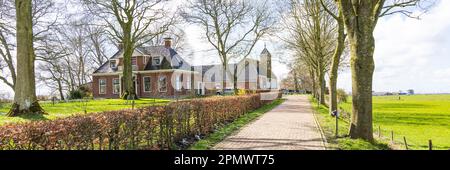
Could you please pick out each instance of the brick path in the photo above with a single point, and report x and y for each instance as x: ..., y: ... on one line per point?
x: 290, y: 126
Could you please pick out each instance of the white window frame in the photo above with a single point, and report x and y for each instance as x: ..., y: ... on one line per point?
x: 115, y: 64
x: 100, y: 86
x: 178, y: 83
x: 159, y: 83
x: 114, y: 85
x: 188, y: 84
x: 143, y: 82
x: 132, y: 61
x: 160, y: 61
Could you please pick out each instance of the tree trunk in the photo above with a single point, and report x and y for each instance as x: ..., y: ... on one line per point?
x: 60, y: 89
x: 335, y: 63
x: 235, y: 79
x: 321, y: 83
x: 224, y: 75
x: 362, y: 46
x: 360, y: 25
x: 363, y: 66
x: 313, y: 78
x: 296, y: 81
x: 127, y: 65
x: 25, y: 101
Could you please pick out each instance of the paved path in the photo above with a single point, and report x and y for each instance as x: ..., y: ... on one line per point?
x: 290, y: 126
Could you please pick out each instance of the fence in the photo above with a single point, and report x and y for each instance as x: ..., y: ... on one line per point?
x: 396, y: 140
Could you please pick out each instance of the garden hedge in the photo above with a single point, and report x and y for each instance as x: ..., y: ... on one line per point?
x: 152, y: 127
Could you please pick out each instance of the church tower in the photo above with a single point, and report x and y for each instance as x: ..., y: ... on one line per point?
x: 266, y: 64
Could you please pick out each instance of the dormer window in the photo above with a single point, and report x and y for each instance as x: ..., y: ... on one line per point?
x: 113, y: 63
x: 156, y: 61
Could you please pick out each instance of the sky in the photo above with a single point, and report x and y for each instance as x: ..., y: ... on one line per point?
x: 409, y: 53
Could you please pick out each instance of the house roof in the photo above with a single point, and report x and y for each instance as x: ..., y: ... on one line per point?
x: 170, y: 57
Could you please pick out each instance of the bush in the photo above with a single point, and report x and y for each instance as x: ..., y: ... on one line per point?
x: 341, y: 96
x: 155, y: 127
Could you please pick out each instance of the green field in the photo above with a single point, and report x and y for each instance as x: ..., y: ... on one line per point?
x: 419, y: 118
x: 60, y: 110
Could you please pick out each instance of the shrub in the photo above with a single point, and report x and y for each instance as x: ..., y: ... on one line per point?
x: 155, y: 127
x: 342, y: 96
x: 76, y: 94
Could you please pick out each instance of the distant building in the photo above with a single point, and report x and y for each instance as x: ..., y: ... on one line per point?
x: 411, y: 92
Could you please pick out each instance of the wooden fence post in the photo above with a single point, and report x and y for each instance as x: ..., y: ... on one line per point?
x: 392, y: 136
x: 379, y: 132
x: 430, y: 145
x: 406, y: 144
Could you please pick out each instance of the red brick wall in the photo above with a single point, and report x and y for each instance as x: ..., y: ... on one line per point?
x: 109, y: 87
x: 154, y: 77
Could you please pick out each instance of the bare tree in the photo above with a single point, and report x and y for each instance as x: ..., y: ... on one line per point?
x: 44, y: 16
x: 232, y: 27
x: 25, y: 101
x: 360, y: 19
x: 132, y: 23
x: 97, y: 42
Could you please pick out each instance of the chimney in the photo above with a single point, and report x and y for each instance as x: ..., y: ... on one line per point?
x: 168, y: 42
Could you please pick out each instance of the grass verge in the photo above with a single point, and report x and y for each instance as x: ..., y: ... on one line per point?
x: 341, y: 142
x: 228, y: 129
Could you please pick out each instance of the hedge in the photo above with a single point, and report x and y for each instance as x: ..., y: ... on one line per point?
x: 153, y: 127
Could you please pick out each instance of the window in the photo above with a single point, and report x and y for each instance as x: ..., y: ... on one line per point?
x: 156, y: 61
x: 134, y: 61
x: 113, y: 64
x: 162, y: 84
x: 102, y: 86
x: 188, y: 84
x: 116, y: 86
x: 178, y: 82
x: 147, y: 84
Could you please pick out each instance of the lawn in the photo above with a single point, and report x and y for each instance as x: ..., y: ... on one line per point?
x: 60, y: 110
x: 419, y: 118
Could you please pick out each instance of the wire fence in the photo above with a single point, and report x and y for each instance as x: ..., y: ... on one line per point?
x: 395, y: 139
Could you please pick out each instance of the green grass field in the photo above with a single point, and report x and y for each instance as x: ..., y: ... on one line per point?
x: 342, y: 142
x: 61, y: 110
x: 419, y: 118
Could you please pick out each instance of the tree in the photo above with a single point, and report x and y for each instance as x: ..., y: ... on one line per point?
x: 232, y: 27
x: 131, y: 23
x: 42, y: 22
x: 25, y: 101
x: 338, y: 52
x: 360, y: 19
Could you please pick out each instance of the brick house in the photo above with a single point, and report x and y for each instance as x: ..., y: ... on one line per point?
x: 159, y: 71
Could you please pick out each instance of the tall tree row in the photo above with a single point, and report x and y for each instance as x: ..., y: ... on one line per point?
x: 355, y: 20
x: 312, y: 36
